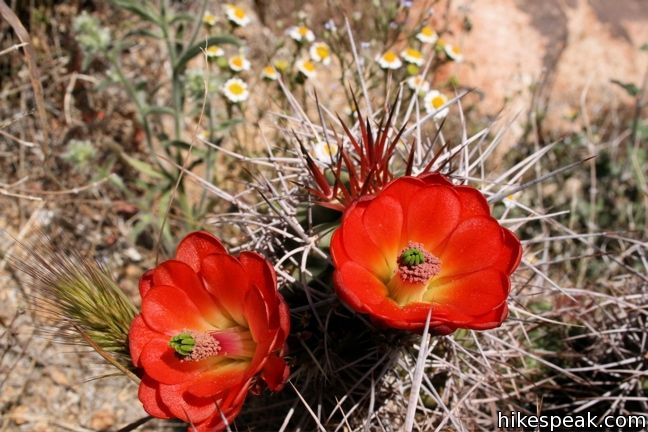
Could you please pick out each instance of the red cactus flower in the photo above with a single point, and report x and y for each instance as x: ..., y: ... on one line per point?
x: 423, y: 244
x: 210, y: 324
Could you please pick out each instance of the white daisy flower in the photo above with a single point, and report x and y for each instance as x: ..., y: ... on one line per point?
x: 320, y: 52
x: 306, y: 68
x: 325, y: 152
x: 203, y: 135
x: 413, y: 56
x: 214, y: 51
x: 434, y: 102
x: 427, y: 35
x: 209, y: 19
x: 270, y: 73
x: 235, y: 90
x: 238, y: 63
x: 453, y: 52
x: 510, y: 201
x: 301, y: 34
x: 236, y: 15
x: 389, y: 60
x: 417, y: 83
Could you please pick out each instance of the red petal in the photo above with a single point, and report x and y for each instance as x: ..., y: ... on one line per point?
x: 383, y: 220
x: 275, y: 373
x: 284, y: 322
x: 226, y: 280
x: 474, y: 245
x: 510, y: 253
x: 196, y: 246
x: 262, y: 275
x: 169, y: 310
x: 432, y: 215
x: 185, y: 406
x: 149, y: 395
x: 358, y: 287
x: 474, y: 294
x: 180, y: 275
x: 145, y: 283
x: 358, y: 244
x: 435, y: 178
x: 220, y: 378
x: 256, y: 315
x: 489, y: 320
x: 338, y: 254
x: 473, y: 202
x: 139, y: 335
x: 230, y: 409
x: 162, y: 364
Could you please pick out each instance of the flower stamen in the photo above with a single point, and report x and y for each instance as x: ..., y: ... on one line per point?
x: 193, y: 346
x: 416, y: 265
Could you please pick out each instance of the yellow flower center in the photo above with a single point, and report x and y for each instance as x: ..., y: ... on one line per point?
x: 303, y: 31
x: 329, y: 149
x: 236, y: 89
x: 322, y: 51
x: 427, y: 31
x: 456, y: 50
x: 238, y: 12
x: 269, y: 71
x: 309, y: 66
x: 438, y: 101
x: 411, y: 52
x: 213, y: 50
x: 389, y: 56
x: 237, y: 62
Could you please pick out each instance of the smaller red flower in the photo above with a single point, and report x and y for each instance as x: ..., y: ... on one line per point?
x: 211, y: 323
x: 425, y: 245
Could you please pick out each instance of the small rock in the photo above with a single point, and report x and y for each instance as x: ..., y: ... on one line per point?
x: 42, y: 426
x: 58, y: 376
x: 20, y: 415
x: 103, y: 419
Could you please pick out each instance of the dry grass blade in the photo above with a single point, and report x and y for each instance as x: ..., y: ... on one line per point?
x: 34, y: 74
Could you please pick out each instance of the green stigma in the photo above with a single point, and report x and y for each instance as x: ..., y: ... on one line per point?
x: 412, y: 257
x: 183, y: 344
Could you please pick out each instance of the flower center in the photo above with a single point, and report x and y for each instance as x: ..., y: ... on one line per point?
x: 236, y: 89
x: 322, y: 51
x: 411, y: 52
x: 239, y: 13
x: 427, y: 31
x: 416, y: 265
x: 389, y: 56
x: 308, y: 66
x: 438, y: 101
x: 195, y: 346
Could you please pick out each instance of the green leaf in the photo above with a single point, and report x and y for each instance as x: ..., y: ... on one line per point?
x: 182, y: 17
x: 227, y: 124
x: 630, y: 88
x: 642, y: 131
x: 143, y: 32
x: 644, y: 47
x: 193, y: 51
x: 159, y: 110
x: 143, y: 167
x: 138, y: 9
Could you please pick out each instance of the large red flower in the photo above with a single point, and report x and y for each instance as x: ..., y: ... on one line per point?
x: 423, y: 244
x: 211, y: 323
